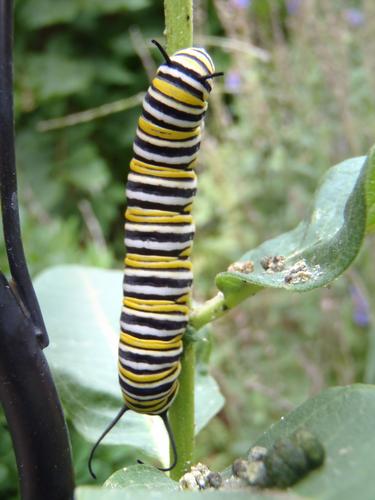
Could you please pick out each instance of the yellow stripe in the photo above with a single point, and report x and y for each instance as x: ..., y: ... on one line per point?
x: 152, y: 401
x: 146, y: 378
x: 180, y: 95
x: 162, y: 345
x: 187, y: 252
x: 203, y: 58
x: 160, y: 171
x: 154, y: 302
x: 149, y: 258
x: 164, y: 133
x: 140, y: 163
x: 183, y: 298
x: 148, y: 410
x: 158, y: 308
x: 175, y: 264
x: 141, y: 211
x: 189, y: 63
x: 187, y: 219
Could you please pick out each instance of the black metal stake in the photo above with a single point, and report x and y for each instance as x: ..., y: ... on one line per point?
x: 8, y: 178
x: 27, y: 391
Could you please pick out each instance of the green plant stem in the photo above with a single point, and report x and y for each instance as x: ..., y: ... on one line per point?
x: 178, y: 24
x: 207, y: 312
x: 179, y: 32
x: 181, y: 414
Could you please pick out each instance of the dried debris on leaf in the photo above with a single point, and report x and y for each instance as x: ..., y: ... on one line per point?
x: 286, y: 462
x: 246, y: 267
x: 300, y: 272
x: 273, y: 263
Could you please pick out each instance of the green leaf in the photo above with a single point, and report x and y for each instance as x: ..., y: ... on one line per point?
x: 85, y: 169
x: 322, y: 246
x: 370, y: 192
x: 41, y: 13
x: 81, y: 307
x: 97, y: 493
x: 54, y: 75
x: 139, y: 477
x: 342, y: 418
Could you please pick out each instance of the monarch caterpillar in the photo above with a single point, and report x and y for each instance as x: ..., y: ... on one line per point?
x: 159, y: 231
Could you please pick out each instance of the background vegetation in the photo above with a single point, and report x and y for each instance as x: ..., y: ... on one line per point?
x: 282, y: 115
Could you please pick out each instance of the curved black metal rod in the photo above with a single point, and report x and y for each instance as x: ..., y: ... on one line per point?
x: 27, y: 392
x: 32, y: 407
x: 8, y: 180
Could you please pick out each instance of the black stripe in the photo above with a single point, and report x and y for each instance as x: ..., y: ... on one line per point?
x: 167, y: 139
x: 148, y: 251
x: 173, y: 112
x: 180, y: 166
x: 179, y: 83
x: 146, y: 391
x: 157, y: 281
x: 128, y: 329
x: 153, y: 296
x: 169, y: 152
x: 152, y: 322
x: 166, y: 125
x: 155, y: 236
x: 192, y: 74
x: 151, y: 205
x: 136, y: 186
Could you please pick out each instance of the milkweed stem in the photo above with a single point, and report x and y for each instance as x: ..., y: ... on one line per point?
x: 179, y: 33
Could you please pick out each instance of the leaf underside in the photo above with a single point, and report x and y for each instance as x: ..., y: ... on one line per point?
x: 321, y: 247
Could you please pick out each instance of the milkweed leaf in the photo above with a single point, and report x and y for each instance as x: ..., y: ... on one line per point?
x: 321, y: 247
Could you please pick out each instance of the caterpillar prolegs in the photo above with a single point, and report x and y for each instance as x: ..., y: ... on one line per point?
x: 159, y: 232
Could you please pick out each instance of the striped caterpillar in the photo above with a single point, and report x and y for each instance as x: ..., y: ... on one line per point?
x: 159, y: 233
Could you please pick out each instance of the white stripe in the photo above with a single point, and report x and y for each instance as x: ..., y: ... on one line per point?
x: 176, y: 73
x: 145, y: 398
x: 146, y: 330
x: 163, y: 200
x: 146, y: 366
x: 178, y: 275
x: 155, y: 290
x: 145, y: 352
x: 176, y: 160
x: 186, y: 228
x: 158, y: 245
x: 169, y: 119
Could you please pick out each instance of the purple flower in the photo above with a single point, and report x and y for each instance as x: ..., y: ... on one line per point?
x: 233, y: 81
x: 354, y: 17
x: 240, y: 4
x: 292, y: 6
x: 361, y: 313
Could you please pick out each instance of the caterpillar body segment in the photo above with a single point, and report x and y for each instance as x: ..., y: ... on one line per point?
x: 159, y: 231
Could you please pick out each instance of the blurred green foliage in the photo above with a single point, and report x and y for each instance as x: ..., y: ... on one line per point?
x: 275, y: 124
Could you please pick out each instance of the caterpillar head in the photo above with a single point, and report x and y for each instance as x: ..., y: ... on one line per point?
x: 194, y: 63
